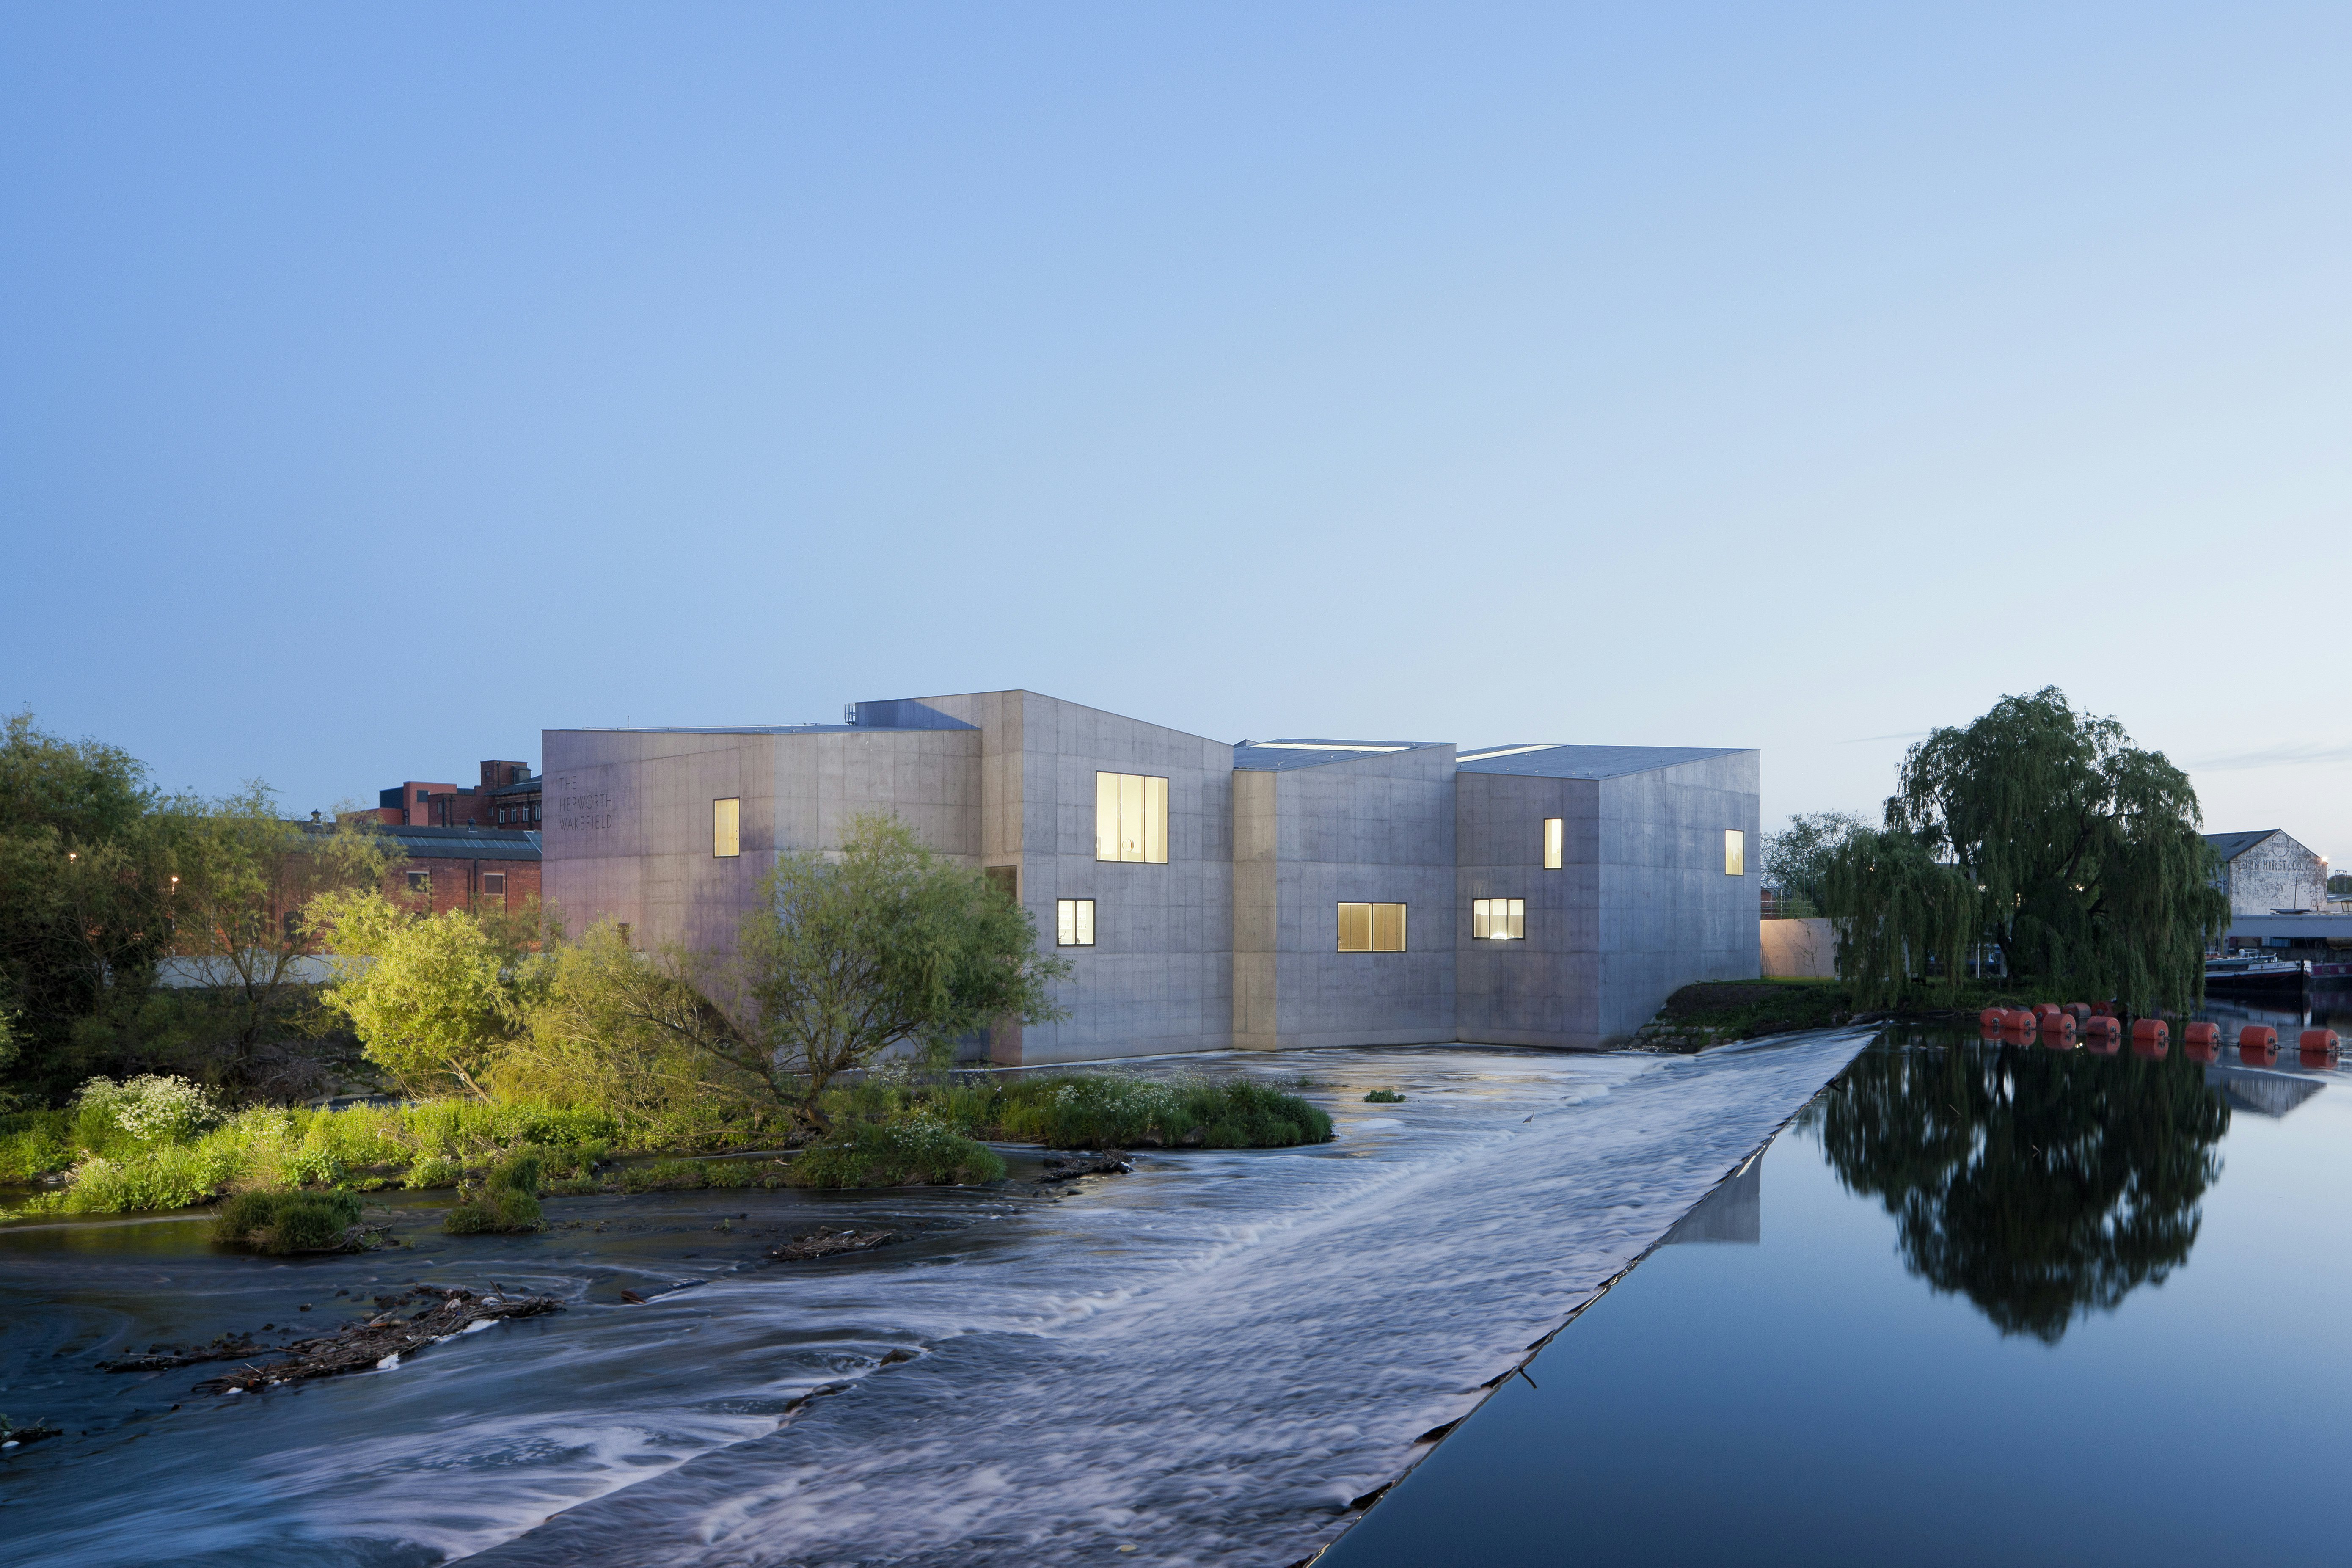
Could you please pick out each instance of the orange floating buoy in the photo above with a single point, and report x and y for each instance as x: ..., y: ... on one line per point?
x: 2057, y: 1023
x: 1993, y: 1017
x: 2103, y: 1010
x: 2047, y: 1008
x: 2318, y: 1045
x: 2081, y: 1010
x: 2155, y: 1030
x: 2200, y: 1034
x: 2102, y: 1023
x: 2258, y: 1043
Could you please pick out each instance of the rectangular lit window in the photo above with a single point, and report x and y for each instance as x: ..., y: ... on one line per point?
x: 494, y: 882
x: 1371, y: 928
x: 726, y: 828
x: 1498, y: 920
x: 1074, y: 923
x: 1131, y: 819
x: 1552, y: 839
x: 1734, y: 852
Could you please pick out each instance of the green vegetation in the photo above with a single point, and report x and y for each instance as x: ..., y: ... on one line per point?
x: 287, y: 1222
x: 1384, y: 1097
x: 1101, y: 1110
x: 507, y: 1202
x: 1796, y: 859
x: 1714, y: 1012
x: 921, y: 1149
x: 2045, y: 833
x: 102, y: 877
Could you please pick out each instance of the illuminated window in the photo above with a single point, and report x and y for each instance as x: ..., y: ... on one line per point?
x: 495, y: 883
x: 1552, y: 837
x: 1498, y: 920
x: 1131, y: 819
x: 726, y: 828
x: 1734, y: 852
x: 1074, y: 923
x: 1371, y: 928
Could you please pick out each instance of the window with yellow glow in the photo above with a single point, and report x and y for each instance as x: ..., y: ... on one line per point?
x: 1371, y: 928
x: 726, y: 828
x: 1131, y: 819
x: 1734, y: 852
x: 1074, y: 923
x: 1498, y: 920
x: 1553, y: 838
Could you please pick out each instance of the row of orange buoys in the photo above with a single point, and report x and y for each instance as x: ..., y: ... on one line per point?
x: 2103, y: 1032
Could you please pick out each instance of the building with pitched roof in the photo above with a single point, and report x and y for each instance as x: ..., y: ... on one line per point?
x: 2265, y: 872
x: 1258, y: 894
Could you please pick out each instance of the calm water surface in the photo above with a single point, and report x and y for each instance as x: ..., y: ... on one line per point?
x: 1982, y: 1303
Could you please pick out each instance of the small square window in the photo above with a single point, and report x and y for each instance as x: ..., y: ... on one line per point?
x: 495, y: 883
x: 1074, y: 923
x: 726, y: 828
x: 1553, y: 839
x: 420, y: 881
x: 1734, y: 852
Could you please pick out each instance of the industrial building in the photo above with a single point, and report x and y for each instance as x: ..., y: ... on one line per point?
x: 1209, y: 894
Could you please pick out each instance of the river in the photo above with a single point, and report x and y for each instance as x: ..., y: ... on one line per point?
x: 1207, y: 1361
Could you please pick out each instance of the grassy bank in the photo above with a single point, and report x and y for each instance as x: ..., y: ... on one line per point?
x: 887, y: 1131
x: 1719, y: 1011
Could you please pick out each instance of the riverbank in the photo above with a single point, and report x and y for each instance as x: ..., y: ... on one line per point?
x: 1208, y: 1359
x: 1717, y: 1011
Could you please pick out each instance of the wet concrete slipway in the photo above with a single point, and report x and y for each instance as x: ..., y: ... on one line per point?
x: 1206, y: 1361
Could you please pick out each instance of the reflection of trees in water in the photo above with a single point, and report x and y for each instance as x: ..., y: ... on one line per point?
x: 2042, y: 1185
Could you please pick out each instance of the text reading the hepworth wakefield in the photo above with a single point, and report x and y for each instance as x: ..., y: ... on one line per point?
x: 579, y: 810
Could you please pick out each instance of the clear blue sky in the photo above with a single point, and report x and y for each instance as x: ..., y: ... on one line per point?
x: 381, y: 384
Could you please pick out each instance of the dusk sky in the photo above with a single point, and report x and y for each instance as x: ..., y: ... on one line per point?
x: 379, y: 385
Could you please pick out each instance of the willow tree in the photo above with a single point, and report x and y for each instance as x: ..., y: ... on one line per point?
x: 2079, y: 851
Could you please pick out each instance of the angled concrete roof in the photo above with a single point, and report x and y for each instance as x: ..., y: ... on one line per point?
x: 2230, y: 846
x: 1584, y: 762
x: 1292, y: 751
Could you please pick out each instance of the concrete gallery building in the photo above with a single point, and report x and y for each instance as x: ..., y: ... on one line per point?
x: 1210, y: 895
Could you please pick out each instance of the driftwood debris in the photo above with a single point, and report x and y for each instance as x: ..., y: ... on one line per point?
x: 355, y: 1347
x: 827, y: 1242
x: 1070, y: 1167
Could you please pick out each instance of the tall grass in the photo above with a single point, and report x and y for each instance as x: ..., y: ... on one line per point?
x: 921, y: 1150
x: 1101, y: 1110
x: 281, y: 1222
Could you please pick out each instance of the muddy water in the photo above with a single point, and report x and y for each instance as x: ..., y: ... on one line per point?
x: 1204, y: 1362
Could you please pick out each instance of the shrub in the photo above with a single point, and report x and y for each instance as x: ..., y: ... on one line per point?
x: 922, y: 1149
x: 35, y: 1142
x: 1384, y: 1097
x: 287, y: 1222
x: 172, y: 1177
x: 1101, y: 1110
x: 507, y: 1201
x: 434, y: 1171
x: 144, y: 1110
x: 664, y: 1176
x: 493, y: 1210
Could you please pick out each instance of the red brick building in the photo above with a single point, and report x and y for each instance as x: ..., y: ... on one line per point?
x: 477, y: 869
x: 507, y: 796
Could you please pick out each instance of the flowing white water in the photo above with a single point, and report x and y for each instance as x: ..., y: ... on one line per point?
x: 1201, y: 1363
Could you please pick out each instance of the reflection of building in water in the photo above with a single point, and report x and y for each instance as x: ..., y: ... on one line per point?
x: 1734, y: 1212
x: 2263, y: 1093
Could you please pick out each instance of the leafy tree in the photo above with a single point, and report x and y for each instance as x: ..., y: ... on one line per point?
x: 847, y: 956
x: 2042, y: 1186
x: 2047, y: 834
x: 624, y: 1031
x: 84, y: 877
x: 1797, y: 857
x: 242, y: 876
x: 433, y: 998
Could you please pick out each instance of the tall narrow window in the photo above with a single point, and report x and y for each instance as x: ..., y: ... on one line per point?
x: 1371, y: 928
x: 1131, y: 819
x: 1552, y: 841
x: 726, y: 828
x: 1074, y: 923
x: 1498, y: 920
x: 1734, y: 852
